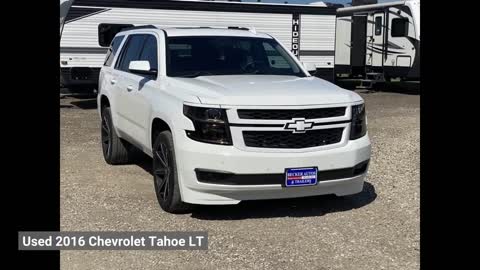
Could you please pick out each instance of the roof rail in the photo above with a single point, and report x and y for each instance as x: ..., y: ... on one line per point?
x: 251, y: 29
x: 238, y: 28
x: 148, y: 26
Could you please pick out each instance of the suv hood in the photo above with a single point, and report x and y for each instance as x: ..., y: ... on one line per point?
x: 265, y: 90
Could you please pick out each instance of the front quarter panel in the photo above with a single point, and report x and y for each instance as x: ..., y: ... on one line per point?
x: 167, y: 104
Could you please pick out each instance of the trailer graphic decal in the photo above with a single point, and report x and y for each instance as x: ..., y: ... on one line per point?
x: 77, y: 13
x: 296, y: 34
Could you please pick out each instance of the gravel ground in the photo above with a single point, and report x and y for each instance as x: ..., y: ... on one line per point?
x: 376, y: 229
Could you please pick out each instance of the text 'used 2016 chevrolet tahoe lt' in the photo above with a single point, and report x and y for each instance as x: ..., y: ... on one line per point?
x: 228, y: 115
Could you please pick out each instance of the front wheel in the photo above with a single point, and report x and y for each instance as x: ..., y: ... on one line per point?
x: 165, y: 175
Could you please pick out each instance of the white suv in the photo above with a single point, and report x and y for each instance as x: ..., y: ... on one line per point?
x: 228, y: 115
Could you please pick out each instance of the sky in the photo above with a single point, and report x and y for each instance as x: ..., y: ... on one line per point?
x: 309, y: 1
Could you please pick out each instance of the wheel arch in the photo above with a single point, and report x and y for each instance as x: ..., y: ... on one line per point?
x: 104, y: 102
x: 157, y: 125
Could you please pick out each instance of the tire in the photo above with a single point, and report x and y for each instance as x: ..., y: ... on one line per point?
x: 115, y: 150
x: 165, y: 176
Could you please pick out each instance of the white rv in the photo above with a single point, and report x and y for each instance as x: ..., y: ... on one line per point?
x: 378, y: 42
x: 64, y: 8
x: 307, y: 30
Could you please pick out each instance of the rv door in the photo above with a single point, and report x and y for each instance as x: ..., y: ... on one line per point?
x: 64, y: 8
x: 359, y: 44
x: 375, y: 39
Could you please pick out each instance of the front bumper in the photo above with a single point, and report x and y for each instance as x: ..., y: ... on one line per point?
x: 191, y: 155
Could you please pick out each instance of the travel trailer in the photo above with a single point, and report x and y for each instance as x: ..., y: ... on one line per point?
x: 375, y: 43
x: 307, y: 30
x: 64, y: 8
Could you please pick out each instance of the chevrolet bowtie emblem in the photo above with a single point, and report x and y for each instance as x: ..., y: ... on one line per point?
x: 298, y: 125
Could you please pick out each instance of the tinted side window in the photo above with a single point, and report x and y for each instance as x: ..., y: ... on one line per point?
x: 378, y: 26
x: 131, y: 51
x: 149, y: 52
x: 112, y: 51
x: 399, y: 27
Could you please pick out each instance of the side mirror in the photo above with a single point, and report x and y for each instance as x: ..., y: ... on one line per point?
x: 141, y: 67
x: 310, y: 67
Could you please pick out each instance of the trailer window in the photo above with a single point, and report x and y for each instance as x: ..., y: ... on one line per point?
x: 112, y: 51
x: 107, y: 31
x: 378, y: 26
x: 399, y: 27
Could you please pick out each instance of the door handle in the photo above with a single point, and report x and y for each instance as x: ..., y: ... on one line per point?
x: 129, y: 88
x: 113, y: 81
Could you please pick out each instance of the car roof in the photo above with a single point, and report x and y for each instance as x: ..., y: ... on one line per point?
x: 199, y: 31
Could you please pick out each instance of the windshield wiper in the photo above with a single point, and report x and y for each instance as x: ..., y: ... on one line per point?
x: 257, y: 71
x: 196, y: 74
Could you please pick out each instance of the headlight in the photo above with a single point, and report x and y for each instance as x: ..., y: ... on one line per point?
x: 211, y: 125
x: 359, y: 122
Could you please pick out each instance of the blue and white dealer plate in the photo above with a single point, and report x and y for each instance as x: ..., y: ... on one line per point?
x: 295, y: 177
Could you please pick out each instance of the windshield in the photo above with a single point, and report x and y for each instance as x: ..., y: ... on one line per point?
x: 226, y: 55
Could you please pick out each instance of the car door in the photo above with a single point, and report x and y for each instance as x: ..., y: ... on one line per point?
x: 143, y: 87
x: 122, y: 89
x: 107, y: 76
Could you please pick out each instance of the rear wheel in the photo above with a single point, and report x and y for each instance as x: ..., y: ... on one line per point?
x: 165, y: 175
x: 115, y: 150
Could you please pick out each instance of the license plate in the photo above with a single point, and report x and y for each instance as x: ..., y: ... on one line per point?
x: 296, y: 177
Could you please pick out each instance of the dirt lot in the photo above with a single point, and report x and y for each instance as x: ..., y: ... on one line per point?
x: 376, y: 229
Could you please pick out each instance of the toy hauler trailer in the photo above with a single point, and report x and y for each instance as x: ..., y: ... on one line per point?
x: 378, y: 42
x: 307, y: 30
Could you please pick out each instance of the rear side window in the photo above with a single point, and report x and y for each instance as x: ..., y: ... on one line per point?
x: 149, y: 52
x: 131, y: 51
x: 112, y: 51
x: 399, y: 27
x: 378, y: 26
